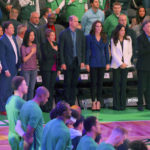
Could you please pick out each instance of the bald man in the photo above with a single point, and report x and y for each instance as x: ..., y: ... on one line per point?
x: 32, y: 119
x: 123, y: 20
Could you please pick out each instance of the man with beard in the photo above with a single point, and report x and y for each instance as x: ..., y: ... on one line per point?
x: 56, y: 135
x: 92, y: 128
x: 32, y: 119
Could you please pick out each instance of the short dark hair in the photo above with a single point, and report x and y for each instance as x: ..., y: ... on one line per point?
x: 26, y: 37
x: 78, y: 121
x: 61, y: 107
x: 137, y: 145
x: 91, y: 1
x: 89, y: 123
x: 44, y: 11
x: 6, y: 25
x: 53, y: 113
x: 16, y: 82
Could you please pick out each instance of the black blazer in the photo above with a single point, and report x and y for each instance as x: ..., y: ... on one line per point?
x: 66, y: 47
x: 143, y: 46
x: 48, y: 54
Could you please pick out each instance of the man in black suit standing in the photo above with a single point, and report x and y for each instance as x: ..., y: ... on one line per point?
x: 143, y: 68
x: 72, y: 49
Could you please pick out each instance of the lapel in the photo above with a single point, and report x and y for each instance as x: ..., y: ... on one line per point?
x: 16, y: 46
x: 119, y: 46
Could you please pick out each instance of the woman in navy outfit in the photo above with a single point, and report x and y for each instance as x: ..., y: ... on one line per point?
x: 97, y: 61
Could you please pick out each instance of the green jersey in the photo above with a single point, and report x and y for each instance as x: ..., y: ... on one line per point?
x: 87, y: 143
x: 31, y: 114
x: 56, y: 136
x: 13, y: 106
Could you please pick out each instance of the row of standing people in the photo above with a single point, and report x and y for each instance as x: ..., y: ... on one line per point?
x: 63, y: 59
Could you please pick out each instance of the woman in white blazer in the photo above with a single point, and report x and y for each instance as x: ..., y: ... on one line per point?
x: 121, y: 51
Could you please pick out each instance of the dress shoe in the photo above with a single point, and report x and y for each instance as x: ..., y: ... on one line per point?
x: 3, y: 113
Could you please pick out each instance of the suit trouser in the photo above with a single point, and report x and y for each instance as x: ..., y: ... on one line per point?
x: 5, y: 90
x: 71, y: 76
x: 97, y: 76
x: 119, y: 88
x: 49, y: 80
x: 143, y: 87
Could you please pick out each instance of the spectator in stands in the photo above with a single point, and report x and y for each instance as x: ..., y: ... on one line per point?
x: 29, y: 62
x: 76, y: 132
x: 49, y: 65
x: 56, y: 6
x: 124, y: 4
x: 33, y: 25
x: 72, y: 49
x: 112, y: 21
x: 1, y: 31
x: 13, y: 15
x: 104, y: 5
x: 121, y: 50
x: 21, y: 29
x: 44, y: 14
x: 143, y: 70
x: 92, y: 127
x: 97, y: 60
x: 137, y: 145
x: 32, y: 120
x: 13, y: 107
x: 50, y: 25
x: 141, y: 13
x: 27, y: 7
x: 123, y: 20
x: 115, y: 139
x: 9, y: 56
x: 93, y: 14
x: 6, y: 6
x: 56, y: 134
x: 76, y: 8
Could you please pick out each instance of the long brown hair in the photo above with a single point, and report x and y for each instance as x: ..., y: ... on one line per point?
x: 116, y: 33
x: 102, y: 34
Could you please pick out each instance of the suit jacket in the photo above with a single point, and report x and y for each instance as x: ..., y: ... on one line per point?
x: 7, y: 55
x: 117, y: 53
x: 97, y: 54
x: 42, y: 22
x: 42, y: 29
x: 143, y: 48
x: 66, y: 47
x: 48, y: 56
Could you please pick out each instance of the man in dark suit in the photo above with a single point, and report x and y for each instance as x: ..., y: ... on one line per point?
x: 44, y: 13
x: 6, y: 6
x: 9, y: 56
x: 57, y: 28
x: 72, y: 49
x: 143, y: 68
